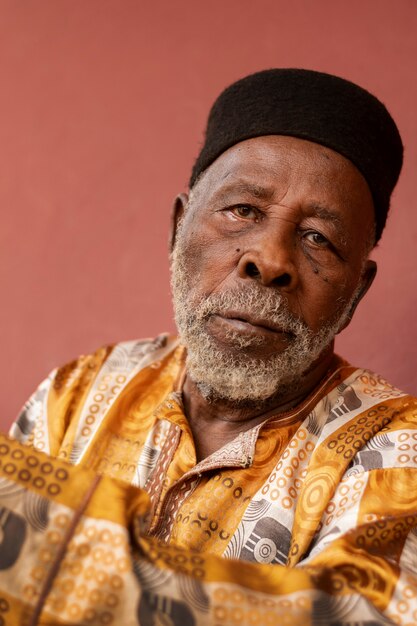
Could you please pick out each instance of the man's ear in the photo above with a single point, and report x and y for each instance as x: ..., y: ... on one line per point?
x: 177, y: 214
x: 367, y: 279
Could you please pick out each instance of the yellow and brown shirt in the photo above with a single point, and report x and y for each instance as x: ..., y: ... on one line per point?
x: 328, y: 491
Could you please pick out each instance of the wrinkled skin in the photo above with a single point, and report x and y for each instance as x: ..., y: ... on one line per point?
x: 298, y: 219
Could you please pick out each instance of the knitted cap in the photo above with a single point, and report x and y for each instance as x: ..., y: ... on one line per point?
x: 326, y: 109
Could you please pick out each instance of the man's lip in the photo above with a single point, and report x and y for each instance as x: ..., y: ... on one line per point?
x: 253, y: 321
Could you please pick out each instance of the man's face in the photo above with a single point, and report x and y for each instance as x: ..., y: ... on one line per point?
x: 268, y: 262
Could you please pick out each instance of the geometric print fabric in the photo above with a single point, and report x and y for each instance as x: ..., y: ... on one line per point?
x: 305, y: 494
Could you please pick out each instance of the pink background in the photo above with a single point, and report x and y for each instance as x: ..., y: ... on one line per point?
x: 102, y: 110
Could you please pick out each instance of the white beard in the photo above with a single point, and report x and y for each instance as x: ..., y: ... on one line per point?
x: 236, y: 375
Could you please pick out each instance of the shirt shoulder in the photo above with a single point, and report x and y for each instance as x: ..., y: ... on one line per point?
x: 57, y: 401
x: 371, y: 421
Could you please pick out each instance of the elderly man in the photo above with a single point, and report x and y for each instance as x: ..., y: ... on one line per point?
x: 252, y: 439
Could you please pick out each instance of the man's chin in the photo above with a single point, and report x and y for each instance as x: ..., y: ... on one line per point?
x: 237, y: 376
x: 247, y: 395
x: 250, y: 375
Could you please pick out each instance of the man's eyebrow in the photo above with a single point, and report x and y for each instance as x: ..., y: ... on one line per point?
x: 327, y: 214
x: 243, y: 186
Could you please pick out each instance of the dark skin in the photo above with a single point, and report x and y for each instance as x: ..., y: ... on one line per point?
x: 295, y: 217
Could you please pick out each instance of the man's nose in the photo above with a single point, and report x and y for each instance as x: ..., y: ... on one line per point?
x: 271, y: 261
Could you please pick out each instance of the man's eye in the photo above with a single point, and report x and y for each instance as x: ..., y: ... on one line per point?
x: 317, y: 239
x: 244, y: 211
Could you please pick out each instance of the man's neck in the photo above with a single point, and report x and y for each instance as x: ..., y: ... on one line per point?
x: 216, y: 421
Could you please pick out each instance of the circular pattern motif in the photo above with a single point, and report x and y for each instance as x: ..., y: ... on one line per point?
x: 265, y: 550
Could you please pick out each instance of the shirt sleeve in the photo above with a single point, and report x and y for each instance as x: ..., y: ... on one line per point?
x: 33, y: 412
x: 72, y: 527
x: 46, y: 416
x: 366, y: 576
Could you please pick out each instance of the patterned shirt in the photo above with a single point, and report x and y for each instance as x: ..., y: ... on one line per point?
x: 329, y: 487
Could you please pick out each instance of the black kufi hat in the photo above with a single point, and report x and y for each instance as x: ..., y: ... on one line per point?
x: 310, y: 105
